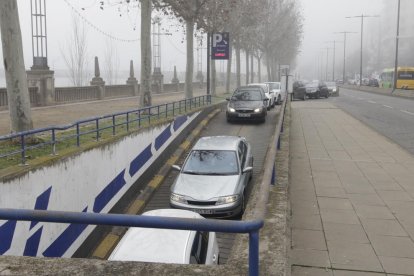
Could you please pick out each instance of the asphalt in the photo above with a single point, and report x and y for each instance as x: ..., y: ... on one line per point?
x: 351, y: 194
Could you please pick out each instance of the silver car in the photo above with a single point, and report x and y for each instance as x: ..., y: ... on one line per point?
x: 213, y: 179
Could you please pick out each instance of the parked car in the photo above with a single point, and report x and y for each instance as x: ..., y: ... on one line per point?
x: 247, y: 103
x: 275, y: 88
x: 298, y: 90
x: 317, y: 89
x: 268, y: 92
x: 332, y: 88
x: 166, y: 245
x: 214, y: 177
x: 373, y: 82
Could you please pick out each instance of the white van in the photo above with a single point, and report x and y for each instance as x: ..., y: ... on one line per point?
x: 166, y: 245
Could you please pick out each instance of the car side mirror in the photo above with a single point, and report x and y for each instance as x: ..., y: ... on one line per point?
x: 228, y: 99
x: 176, y: 168
x: 247, y: 169
x: 266, y: 99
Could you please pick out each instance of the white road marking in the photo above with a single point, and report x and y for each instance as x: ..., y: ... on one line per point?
x: 372, y: 102
x: 407, y: 112
x: 387, y: 106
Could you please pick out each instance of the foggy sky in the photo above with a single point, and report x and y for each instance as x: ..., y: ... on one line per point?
x: 321, y: 19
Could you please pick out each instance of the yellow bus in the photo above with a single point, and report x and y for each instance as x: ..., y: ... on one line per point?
x: 405, y: 78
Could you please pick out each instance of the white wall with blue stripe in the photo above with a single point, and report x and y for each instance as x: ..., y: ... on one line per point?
x: 92, y: 181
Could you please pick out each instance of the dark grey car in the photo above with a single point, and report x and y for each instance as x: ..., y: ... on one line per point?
x: 247, y: 103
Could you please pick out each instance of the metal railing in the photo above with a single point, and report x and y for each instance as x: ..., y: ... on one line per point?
x: 251, y: 227
x: 51, y: 136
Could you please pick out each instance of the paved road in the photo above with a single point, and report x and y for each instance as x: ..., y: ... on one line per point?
x: 257, y: 134
x: 393, y: 117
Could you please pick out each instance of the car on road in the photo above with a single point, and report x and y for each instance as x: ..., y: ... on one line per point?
x: 268, y: 92
x: 276, y: 89
x: 298, y: 90
x: 248, y: 103
x: 332, y: 88
x: 166, y: 245
x: 316, y: 89
x: 214, y: 177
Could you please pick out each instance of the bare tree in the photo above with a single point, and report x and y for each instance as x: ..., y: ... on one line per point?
x: 111, y: 61
x: 75, y: 54
x: 16, y: 80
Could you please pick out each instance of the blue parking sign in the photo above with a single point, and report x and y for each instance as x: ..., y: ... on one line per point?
x: 220, y: 45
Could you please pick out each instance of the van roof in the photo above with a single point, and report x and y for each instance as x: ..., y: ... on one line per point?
x: 156, y: 245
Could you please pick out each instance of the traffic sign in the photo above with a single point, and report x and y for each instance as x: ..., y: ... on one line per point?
x: 220, y: 46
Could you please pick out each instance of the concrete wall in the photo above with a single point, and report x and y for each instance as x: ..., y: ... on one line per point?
x: 92, y: 181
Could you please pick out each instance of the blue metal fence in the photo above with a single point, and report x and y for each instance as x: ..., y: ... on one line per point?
x: 95, y: 126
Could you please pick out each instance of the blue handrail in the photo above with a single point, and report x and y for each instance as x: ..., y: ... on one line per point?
x: 252, y: 227
x: 142, y: 114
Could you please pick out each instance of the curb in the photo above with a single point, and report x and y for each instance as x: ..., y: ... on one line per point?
x: 112, y: 238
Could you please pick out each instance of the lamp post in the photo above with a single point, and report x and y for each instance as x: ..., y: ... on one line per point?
x: 362, y: 16
x: 396, y: 49
x: 343, y: 66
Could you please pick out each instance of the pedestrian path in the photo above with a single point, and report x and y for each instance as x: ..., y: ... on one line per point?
x: 352, y: 196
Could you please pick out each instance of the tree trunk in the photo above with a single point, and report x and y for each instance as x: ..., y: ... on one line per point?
x: 238, y: 65
x: 146, y: 53
x: 247, y: 67
x: 16, y: 80
x: 228, y: 75
x: 190, y: 58
x: 269, y: 69
x: 213, y: 78
x: 259, y: 69
x: 251, y: 68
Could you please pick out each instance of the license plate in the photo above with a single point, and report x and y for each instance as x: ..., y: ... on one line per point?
x: 244, y: 115
x: 203, y: 211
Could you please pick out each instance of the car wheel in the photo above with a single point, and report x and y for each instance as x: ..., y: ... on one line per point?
x: 279, y: 100
x: 304, y: 97
x: 273, y: 103
x: 327, y: 95
x: 228, y: 120
x: 317, y: 95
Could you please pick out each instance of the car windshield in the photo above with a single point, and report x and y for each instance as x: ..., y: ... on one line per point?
x: 330, y: 84
x: 274, y: 86
x: 211, y: 162
x: 247, y: 95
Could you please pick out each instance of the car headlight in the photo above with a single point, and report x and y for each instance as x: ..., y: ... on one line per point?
x: 227, y: 199
x: 177, y: 198
x: 258, y: 110
x: 231, y: 109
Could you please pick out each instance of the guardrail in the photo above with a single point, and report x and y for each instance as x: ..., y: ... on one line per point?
x: 51, y: 136
x: 251, y: 227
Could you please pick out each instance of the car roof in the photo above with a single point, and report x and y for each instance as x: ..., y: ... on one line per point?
x: 257, y: 84
x: 156, y: 245
x: 218, y: 143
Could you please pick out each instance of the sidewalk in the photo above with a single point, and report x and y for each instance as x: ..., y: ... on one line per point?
x: 68, y: 113
x: 352, y: 196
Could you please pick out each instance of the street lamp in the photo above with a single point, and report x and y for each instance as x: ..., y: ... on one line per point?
x: 362, y: 16
x: 343, y: 69
x: 396, y: 49
x: 333, y: 58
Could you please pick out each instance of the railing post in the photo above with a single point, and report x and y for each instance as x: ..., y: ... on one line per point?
x: 127, y: 121
x: 158, y: 111
x: 273, y: 181
x: 254, y: 253
x: 149, y: 115
x: 23, y: 146
x: 278, y: 142
x: 166, y: 110
x: 139, y: 118
x: 97, y: 129
x: 113, y: 125
x: 173, y: 113
x: 185, y: 106
x: 77, y: 135
x: 53, y: 142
